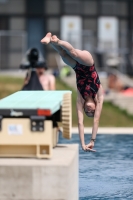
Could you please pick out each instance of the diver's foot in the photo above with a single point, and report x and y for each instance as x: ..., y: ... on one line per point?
x: 46, y: 39
x: 54, y: 40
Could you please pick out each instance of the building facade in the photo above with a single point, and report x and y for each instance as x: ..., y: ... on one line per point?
x: 24, y: 22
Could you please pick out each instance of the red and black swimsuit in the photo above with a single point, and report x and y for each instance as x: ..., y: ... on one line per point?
x: 88, y: 81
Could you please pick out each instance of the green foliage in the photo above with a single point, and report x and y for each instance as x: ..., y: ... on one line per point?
x: 9, y: 85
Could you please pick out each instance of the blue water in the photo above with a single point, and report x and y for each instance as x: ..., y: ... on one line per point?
x: 106, y: 174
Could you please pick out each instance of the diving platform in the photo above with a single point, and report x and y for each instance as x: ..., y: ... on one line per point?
x: 29, y: 122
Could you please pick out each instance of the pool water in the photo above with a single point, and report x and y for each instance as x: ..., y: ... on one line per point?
x: 106, y: 174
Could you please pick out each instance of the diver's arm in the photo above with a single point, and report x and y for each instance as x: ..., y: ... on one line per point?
x: 97, y: 116
x: 79, y: 106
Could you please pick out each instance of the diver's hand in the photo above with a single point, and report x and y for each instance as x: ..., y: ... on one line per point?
x: 90, y: 146
x: 87, y: 148
x: 84, y: 147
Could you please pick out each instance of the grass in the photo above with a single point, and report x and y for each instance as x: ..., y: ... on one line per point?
x: 111, y: 115
x: 9, y: 85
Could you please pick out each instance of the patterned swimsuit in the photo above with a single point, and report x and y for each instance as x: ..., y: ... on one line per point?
x: 88, y: 81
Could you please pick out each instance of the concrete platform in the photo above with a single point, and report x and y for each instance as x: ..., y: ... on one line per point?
x: 41, y: 179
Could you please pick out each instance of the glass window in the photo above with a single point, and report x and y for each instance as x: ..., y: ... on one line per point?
x: 123, y: 33
x: 53, y: 24
x: 13, y: 6
x: 89, y: 7
x: 35, y: 29
x: 3, y: 23
x: 52, y: 7
x: 114, y: 7
x: 3, y: 1
x: 90, y: 24
x: 123, y: 10
x: 17, y: 23
x: 72, y: 7
x: 89, y: 34
x: 109, y: 7
x: 35, y: 6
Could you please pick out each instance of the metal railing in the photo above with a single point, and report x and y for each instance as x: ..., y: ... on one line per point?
x: 12, y: 47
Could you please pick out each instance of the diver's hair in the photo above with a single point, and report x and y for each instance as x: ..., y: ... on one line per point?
x: 89, y: 114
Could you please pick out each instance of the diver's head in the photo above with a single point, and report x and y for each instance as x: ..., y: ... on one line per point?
x: 89, y: 107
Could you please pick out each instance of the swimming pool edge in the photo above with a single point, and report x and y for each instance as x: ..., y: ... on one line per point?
x: 106, y: 130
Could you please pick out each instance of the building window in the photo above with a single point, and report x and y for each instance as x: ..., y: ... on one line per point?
x: 89, y: 34
x: 3, y: 1
x: 72, y: 7
x: 89, y: 7
x: 17, y: 23
x: 52, y: 7
x: 12, y: 6
x: 53, y: 24
x: 123, y: 33
x: 122, y: 8
x: 3, y: 23
x: 90, y: 24
x: 35, y: 6
x: 109, y: 7
x: 114, y: 7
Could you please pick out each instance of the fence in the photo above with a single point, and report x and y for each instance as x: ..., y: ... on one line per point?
x: 12, y: 48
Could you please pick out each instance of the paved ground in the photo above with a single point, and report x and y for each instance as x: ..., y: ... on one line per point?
x: 14, y: 73
x: 106, y: 130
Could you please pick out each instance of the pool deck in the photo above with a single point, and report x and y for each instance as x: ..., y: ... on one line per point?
x: 106, y: 130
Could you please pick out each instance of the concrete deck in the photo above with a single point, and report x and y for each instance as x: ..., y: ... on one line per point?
x: 106, y: 130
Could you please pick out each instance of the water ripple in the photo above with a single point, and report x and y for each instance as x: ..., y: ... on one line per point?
x: 108, y: 173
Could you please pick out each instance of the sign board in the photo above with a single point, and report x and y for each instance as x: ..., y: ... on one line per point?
x: 71, y: 27
x: 108, y: 33
x: 14, y: 129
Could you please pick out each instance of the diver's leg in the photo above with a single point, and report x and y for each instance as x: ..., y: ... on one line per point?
x: 46, y: 39
x: 49, y: 39
x: 64, y: 55
x: 83, y: 57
